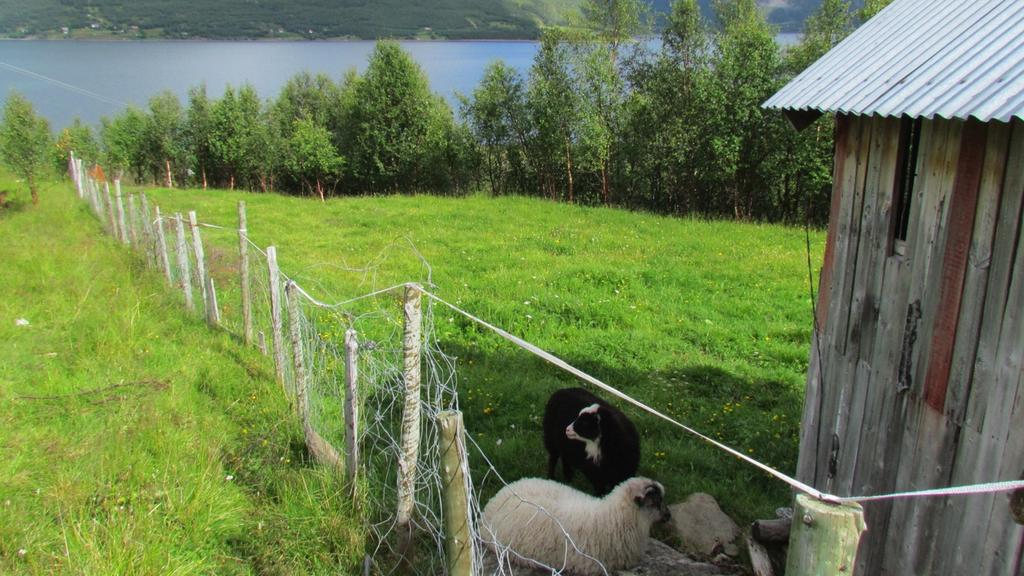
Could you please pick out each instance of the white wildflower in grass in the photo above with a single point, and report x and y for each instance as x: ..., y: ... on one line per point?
x: 21, y: 322
x: 229, y: 477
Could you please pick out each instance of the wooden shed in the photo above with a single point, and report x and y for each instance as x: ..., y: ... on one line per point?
x: 916, y: 376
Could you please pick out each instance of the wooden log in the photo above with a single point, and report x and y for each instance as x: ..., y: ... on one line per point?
x: 760, y: 561
x: 185, y: 276
x: 771, y: 531
x: 351, y: 407
x: 161, y: 247
x: 411, y: 342
x: 457, y: 517
x: 824, y: 537
x: 122, y: 229
x: 243, y: 271
x: 197, y: 249
x: 276, y: 316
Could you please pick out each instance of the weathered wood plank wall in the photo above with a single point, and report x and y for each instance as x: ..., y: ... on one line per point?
x: 915, y: 377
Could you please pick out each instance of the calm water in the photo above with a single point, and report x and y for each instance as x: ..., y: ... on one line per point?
x: 65, y: 79
x: 91, y: 79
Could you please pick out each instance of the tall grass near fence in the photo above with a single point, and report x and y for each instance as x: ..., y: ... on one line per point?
x: 133, y: 440
x: 707, y: 321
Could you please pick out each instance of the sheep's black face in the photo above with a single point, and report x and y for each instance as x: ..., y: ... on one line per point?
x: 652, y: 499
x: 586, y: 426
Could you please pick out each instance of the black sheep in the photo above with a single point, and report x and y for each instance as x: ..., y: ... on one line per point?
x: 592, y: 435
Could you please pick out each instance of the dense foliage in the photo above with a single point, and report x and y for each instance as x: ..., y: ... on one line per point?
x: 24, y: 141
x: 597, y: 119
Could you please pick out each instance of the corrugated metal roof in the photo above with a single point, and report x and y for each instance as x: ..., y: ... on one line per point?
x: 922, y: 58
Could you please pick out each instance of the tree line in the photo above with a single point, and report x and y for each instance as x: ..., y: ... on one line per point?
x: 673, y: 127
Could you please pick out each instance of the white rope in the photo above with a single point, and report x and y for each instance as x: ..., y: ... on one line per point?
x: 592, y: 380
x: 985, y: 488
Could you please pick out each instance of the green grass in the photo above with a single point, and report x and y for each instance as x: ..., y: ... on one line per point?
x: 708, y: 321
x: 133, y: 440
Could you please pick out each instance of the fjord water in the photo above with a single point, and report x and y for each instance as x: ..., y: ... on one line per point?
x: 65, y: 79
x: 90, y: 79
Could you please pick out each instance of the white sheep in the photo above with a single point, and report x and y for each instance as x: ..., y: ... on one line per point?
x: 542, y: 523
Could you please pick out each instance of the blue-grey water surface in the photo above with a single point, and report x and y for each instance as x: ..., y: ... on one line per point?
x: 65, y: 79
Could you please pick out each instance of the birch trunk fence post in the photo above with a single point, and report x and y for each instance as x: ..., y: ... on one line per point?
x: 212, y: 312
x: 351, y: 408
x: 455, y: 480
x: 184, y: 276
x: 411, y: 343
x: 147, y: 228
x: 111, y: 216
x: 197, y: 248
x: 122, y: 233
x: 161, y: 241
x: 243, y: 270
x: 275, y: 317
x: 301, y: 392
x: 824, y: 537
x: 133, y: 216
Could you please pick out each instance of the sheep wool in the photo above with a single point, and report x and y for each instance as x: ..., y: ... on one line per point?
x: 530, y: 518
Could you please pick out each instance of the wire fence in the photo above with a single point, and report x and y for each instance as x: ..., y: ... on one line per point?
x: 243, y: 292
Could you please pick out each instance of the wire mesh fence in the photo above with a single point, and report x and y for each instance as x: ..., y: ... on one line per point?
x: 311, y: 367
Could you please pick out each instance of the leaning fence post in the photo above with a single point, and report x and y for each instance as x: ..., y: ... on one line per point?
x: 185, y: 277
x: 133, y: 216
x: 298, y: 357
x: 410, y: 418
x: 351, y: 407
x: 197, y: 248
x: 164, y: 261
x: 122, y: 232
x: 454, y: 470
x: 275, y: 315
x: 243, y: 270
x: 147, y: 227
x: 824, y: 537
x: 111, y: 211
x: 212, y: 313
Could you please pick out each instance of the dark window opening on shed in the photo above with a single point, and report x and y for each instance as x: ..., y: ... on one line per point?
x: 906, y: 173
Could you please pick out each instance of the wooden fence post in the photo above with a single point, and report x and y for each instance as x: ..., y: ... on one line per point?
x: 411, y: 342
x: 184, y: 275
x: 212, y: 312
x: 73, y: 173
x: 454, y: 469
x: 351, y: 407
x: 161, y: 240
x: 197, y: 248
x: 824, y: 537
x: 122, y: 232
x: 133, y: 217
x: 275, y: 316
x: 298, y: 357
x: 111, y: 211
x: 147, y: 227
x: 243, y: 270
x: 318, y: 446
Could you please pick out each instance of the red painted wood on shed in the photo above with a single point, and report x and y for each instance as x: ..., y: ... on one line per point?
x: 960, y: 228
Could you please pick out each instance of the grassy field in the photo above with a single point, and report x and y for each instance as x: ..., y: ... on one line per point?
x: 708, y: 321
x: 133, y: 440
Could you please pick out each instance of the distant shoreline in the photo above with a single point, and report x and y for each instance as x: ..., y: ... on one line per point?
x: 256, y: 40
